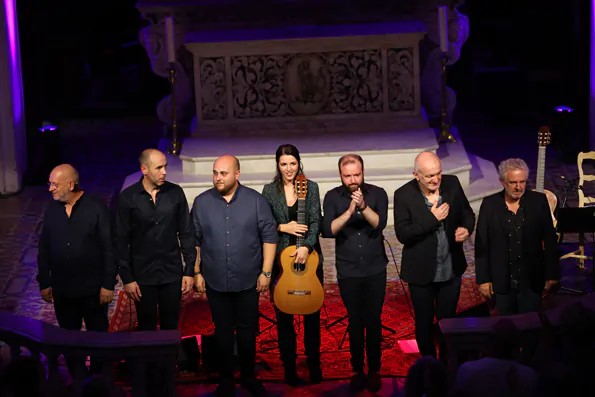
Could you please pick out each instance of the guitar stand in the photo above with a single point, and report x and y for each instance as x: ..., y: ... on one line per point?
x: 342, y: 319
x: 269, y: 344
x: 272, y: 322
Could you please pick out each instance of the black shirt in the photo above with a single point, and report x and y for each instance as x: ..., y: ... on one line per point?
x: 514, y: 229
x: 75, y: 255
x: 359, y: 248
x: 150, y: 236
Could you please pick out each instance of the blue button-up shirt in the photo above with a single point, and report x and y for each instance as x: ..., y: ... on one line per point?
x: 230, y: 236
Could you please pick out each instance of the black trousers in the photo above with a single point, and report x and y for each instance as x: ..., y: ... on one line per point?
x: 363, y: 298
x: 235, y: 315
x: 517, y: 302
x: 159, y: 304
x: 70, y: 313
x: 437, y: 300
x: 287, y: 339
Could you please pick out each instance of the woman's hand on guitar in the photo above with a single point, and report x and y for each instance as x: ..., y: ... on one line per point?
x: 294, y: 228
x: 301, y: 254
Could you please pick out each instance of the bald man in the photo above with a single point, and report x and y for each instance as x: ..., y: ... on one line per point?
x: 432, y: 218
x: 237, y: 238
x: 153, y: 233
x: 76, y: 266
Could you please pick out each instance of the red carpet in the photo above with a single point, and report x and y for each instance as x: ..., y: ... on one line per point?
x: 196, y: 320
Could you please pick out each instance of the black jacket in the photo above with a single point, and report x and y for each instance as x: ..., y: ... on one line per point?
x: 416, y: 227
x: 540, y: 252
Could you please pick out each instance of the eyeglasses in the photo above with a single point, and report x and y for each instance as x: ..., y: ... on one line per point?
x: 55, y: 185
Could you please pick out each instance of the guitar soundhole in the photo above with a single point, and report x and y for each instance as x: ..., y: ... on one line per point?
x: 299, y: 267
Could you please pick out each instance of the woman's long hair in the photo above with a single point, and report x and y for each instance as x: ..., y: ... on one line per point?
x: 286, y: 149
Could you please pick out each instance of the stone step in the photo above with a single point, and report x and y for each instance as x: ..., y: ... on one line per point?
x: 386, y: 144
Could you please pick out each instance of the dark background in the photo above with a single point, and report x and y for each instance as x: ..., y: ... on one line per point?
x: 523, y: 58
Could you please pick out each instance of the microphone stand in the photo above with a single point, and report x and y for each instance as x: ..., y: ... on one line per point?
x: 568, y: 185
x: 175, y: 143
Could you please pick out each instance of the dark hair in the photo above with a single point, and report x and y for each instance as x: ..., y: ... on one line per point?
x: 286, y: 149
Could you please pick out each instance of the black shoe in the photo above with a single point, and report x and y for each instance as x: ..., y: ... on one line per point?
x: 358, y: 382
x: 292, y: 379
x: 315, y: 375
x: 254, y: 386
x: 226, y: 388
x: 374, y: 381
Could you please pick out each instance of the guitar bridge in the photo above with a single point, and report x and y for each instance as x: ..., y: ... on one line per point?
x: 298, y: 292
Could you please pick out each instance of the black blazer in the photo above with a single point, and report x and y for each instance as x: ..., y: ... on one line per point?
x: 540, y: 251
x: 416, y: 227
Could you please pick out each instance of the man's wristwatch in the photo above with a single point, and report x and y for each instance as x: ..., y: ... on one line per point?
x: 267, y: 274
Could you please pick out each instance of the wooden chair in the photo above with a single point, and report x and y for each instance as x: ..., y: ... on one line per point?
x: 583, y: 200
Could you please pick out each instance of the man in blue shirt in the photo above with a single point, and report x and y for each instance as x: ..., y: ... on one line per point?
x: 237, y: 236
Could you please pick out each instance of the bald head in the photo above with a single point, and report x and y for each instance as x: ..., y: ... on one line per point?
x: 149, y: 156
x: 424, y: 160
x: 226, y: 172
x: 153, y: 165
x: 66, y: 172
x: 63, y: 182
x: 428, y: 172
x: 229, y: 161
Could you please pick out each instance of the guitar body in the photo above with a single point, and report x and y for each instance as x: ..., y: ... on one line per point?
x: 298, y: 289
x: 552, y: 201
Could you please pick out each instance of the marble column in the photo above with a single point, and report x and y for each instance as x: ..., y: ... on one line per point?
x: 13, y: 151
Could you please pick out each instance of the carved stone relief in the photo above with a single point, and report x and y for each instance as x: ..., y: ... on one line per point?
x: 400, y: 79
x: 307, y: 84
x: 297, y: 85
x: 213, y: 90
x: 257, y: 86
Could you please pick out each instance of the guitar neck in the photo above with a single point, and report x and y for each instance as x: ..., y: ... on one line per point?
x: 539, y: 179
x: 301, y: 219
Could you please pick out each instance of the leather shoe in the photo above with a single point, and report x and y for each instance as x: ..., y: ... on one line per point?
x: 254, y: 386
x: 315, y: 375
x: 226, y: 388
x: 292, y: 379
x: 374, y: 381
x: 358, y: 382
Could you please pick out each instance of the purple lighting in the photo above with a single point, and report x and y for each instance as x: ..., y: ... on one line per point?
x: 592, y: 78
x: 564, y: 109
x: 13, y: 43
x: 48, y: 128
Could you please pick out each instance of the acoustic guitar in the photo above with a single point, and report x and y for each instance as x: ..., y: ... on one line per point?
x: 298, y: 289
x: 544, y: 137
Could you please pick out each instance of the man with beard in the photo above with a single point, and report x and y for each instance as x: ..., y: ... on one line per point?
x: 237, y: 239
x: 153, y: 232
x: 152, y: 228
x: 432, y: 219
x: 516, y: 256
x: 355, y: 216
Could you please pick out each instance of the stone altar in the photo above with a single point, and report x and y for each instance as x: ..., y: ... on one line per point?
x: 314, y: 71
